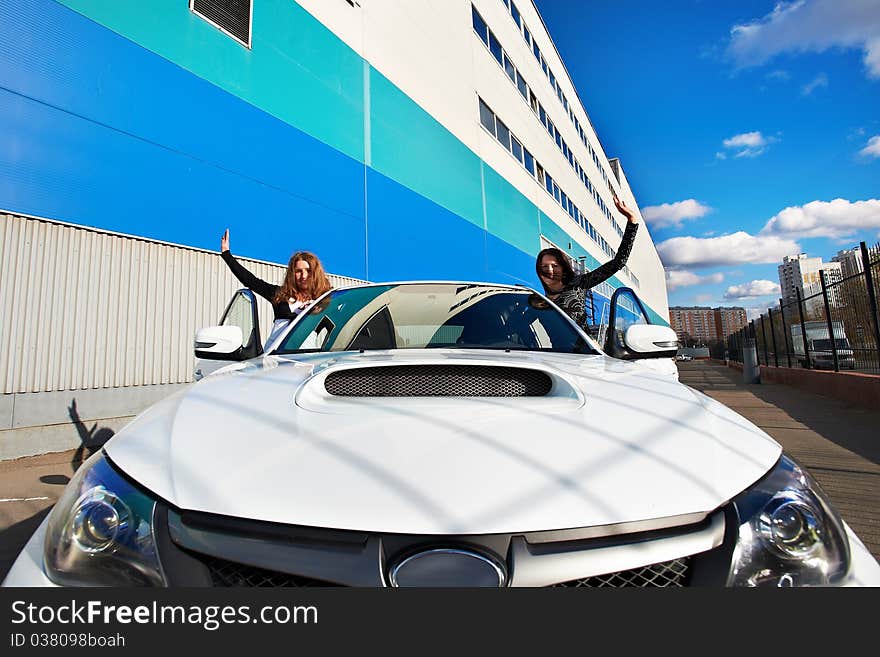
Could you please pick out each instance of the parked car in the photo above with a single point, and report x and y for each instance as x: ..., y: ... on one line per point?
x: 442, y: 434
x: 818, y: 342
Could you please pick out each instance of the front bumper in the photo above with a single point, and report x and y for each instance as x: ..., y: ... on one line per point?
x: 27, y: 571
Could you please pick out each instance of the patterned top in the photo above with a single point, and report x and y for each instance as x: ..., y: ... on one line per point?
x: 576, y: 298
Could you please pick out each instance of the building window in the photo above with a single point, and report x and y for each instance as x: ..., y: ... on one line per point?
x: 230, y: 16
x: 533, y: 101
x: 521, y: 85
x: 509, y: 68
x: 516, y: 149
x: 502, y: 133
x: 480, y: 26
x: 529, y: 161
x: 495, y: 47
x: 487, y: 117
x: 515, y: 13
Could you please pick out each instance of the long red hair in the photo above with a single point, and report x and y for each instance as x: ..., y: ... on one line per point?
x: 316, y: 284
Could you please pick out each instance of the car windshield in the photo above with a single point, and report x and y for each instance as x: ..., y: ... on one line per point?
x: 434, y: 315
x: 825, y: 343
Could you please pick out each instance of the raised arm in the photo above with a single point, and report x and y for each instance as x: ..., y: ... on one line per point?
x: 258, y: 285
x: 603, y: 273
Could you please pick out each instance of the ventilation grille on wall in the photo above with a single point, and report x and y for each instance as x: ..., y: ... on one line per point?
x: 231, y: 16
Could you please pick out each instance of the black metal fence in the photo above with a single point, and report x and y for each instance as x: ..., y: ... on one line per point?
x: 836, y: 328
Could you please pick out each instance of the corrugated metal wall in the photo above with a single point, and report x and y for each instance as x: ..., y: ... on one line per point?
x: 82, y: 308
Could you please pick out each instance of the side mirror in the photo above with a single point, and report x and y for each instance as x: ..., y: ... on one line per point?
x: 220, y: 343
x: 650, y: 341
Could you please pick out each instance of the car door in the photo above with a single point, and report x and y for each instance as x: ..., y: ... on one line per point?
x: 241, y: 311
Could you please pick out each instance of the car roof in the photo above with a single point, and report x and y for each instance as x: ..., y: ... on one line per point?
x: 520, y: 287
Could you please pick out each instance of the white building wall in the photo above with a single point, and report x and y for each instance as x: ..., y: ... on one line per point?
x: 850, y: 261
x: 429, y: 50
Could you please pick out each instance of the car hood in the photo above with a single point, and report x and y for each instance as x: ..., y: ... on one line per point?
x: 612, y: 443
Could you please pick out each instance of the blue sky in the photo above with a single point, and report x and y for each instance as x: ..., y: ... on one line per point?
x: 748, y: 129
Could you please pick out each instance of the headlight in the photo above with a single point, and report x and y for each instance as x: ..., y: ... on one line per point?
x: 100, y: 532
x: 789, y: 535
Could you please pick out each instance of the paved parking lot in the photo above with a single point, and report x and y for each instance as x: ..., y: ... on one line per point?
x: 28, y: 488
x: 840, y: 446
x: 837, y: 443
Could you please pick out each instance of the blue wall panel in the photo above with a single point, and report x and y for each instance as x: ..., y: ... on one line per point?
x: 166, y: 155
x: 507, y: 264
x: 509, y: 214
x: 132, y: 186
x: 117, y: 83
x: 297, y: 70
x: 436, y: 244
x: 412, y: 147
x: 413, y: 237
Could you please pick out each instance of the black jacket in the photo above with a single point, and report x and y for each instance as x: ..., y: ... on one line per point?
x: 258, y: 286
x: 576, y: 298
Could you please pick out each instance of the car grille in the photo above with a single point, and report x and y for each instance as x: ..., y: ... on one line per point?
x: 438, y: 381
x: 238, y: 575
x: 659, y: 575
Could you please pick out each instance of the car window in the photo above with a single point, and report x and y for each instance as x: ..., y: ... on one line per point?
x: 241, y: 313
x: 627, y: 311
x: 434, y: 315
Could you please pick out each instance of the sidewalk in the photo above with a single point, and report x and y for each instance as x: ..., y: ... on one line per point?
x: 28, y: 488
x: 837, y: 443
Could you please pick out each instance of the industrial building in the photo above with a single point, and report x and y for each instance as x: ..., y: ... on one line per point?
x: 396, y: 140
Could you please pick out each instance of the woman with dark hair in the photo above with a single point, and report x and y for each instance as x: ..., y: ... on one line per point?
x: 573, y: 293
x: 304, y: 281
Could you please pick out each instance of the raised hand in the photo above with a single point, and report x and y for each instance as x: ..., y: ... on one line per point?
x: 224, y: 241
x: 631, y: 216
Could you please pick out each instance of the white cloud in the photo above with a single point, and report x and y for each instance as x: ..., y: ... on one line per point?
x: 836, y: 219
x: 673, y: 214
x: 748, y: 139
x: 676, y: 278
x: 820, y: 80
x: 778, y: 74
x: 747, y: 144
x: 873, y: 147
x: 752, y: 290
x: 809, y: 26
x: 734, y: 249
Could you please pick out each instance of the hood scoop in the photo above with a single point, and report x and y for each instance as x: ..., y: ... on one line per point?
x: 438, y: 380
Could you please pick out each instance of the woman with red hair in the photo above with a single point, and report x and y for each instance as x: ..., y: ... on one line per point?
x: 304, y: 281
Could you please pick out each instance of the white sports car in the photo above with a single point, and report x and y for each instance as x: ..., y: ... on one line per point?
x: 442, y: 434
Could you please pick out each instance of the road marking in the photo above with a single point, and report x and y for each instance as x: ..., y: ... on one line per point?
x: 22, y: 499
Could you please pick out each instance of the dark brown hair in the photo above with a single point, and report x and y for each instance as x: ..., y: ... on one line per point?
x: 316, y: 284
x: 562, y: 259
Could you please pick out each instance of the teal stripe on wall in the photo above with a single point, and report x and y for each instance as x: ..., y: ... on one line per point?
x: 321, y: 92
x: 410, y: 146
x: 509, y: 214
